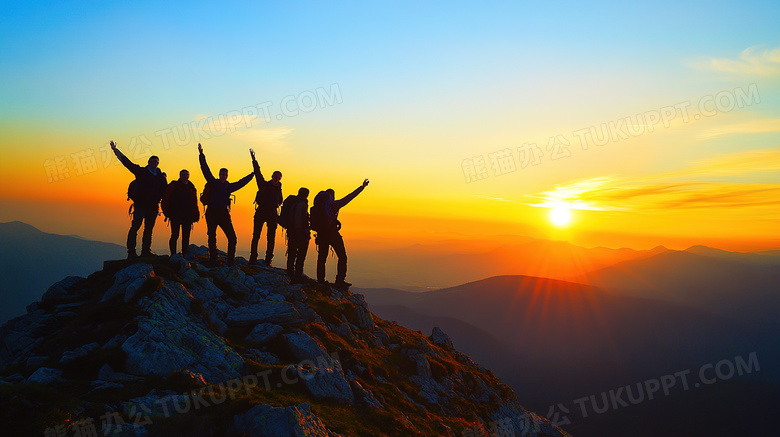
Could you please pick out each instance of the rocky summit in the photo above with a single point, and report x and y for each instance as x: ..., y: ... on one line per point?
x: 177, y: 347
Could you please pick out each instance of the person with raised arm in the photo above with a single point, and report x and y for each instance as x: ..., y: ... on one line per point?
x: 324, y: 220
x: 145, y: 191
x: 268, y: 199
x: 180, y: 207
x: 217, y: 200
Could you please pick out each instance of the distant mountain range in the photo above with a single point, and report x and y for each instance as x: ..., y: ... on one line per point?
x: 31, y: 261
x: 743, y: 286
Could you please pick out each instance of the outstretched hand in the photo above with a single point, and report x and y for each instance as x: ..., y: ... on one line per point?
x: 113, y: 145
x: 252, y: 152
x: 200, y: 148
x: 365, y: 182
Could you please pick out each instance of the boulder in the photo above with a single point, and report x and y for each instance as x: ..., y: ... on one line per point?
x: 79, y: 352
x: 327, y: 383
x: 438, y: 337
x: 129, y: 275
x: 264, y: 332
x: 62, y: 289
x: 304, y: 347
x: 268, y: 421
x: 45, y: 376
x: 268, y: 311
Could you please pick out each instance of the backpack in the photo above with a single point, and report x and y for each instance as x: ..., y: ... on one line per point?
x: 132, y: 191
x: 286, y: 218
x: 206, y: 194
x: 319, y: 218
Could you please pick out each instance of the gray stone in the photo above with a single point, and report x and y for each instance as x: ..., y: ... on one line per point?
x: 269, y: 311
x: 133, y: 287
x: 363, y: 318
x: 304, y: 347
x: 127, y: 276
x: 62, y: 289
x: 365, y: 396
x: 105, y: 373
x: 261, y: 357
x: 276, y: 297
x: 327, y: 383
x: 170, y: 338
x: 264, y: 332
x: 344, y: 331
x: 45, y: 376
x: 79, y: 352
x: 268, y: 421
x: 438, y: 337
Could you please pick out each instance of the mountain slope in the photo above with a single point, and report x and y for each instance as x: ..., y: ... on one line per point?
x: 178, y: 348
x: 31, y: 260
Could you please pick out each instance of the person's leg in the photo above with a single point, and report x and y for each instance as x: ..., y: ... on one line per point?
x: 271, y: 236
x: 291, y: 254
x: 300, y: 256
x: 149, y: 220
x: 256, y: 231
x: 132, y: 234
x: 322, y: 257
x: 212, y: 221
x: 174, y: 235
x: 186, y: 227
x: 338, y: 246
x: 230, y: 233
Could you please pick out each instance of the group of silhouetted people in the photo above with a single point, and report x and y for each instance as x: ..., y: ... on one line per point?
x: 179, y: 201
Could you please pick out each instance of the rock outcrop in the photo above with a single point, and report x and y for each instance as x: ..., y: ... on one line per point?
x: 171, y: 346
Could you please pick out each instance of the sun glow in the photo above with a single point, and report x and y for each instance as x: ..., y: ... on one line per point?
x: 560, y: 215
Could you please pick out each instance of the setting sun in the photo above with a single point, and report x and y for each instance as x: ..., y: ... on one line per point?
x: 560, y: 215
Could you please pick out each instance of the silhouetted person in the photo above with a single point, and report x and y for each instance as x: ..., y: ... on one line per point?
x: 218, y: 207
x: 298, y: 236
x: 148, y: 190
x: 268, y: 199
x: 180, y: 206
x: 328, y: 235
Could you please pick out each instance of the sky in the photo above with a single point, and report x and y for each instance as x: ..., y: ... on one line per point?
x: 646, y: 124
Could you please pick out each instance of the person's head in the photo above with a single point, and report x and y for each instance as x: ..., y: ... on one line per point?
x: 303, y: 193
x: 184, y: 176
x: 223, y: 174
x: 153, y: 162
x: 331, y: 193
x: 276, y: 177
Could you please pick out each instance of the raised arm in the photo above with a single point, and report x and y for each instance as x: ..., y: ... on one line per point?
x: 130, y: 165
x: 235, y: 186
x: 258, y: 175
x: 204, y: 167
x: 348, y: 198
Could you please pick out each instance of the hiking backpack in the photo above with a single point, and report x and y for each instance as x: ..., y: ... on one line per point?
x: 319, y: 218
x: 204, y: 196
x: 132, y: 191
x: 286, y: 218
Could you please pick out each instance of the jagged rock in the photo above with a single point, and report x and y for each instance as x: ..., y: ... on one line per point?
x: 104, y: 385
x: 79, y: 352
x: 344, y: 331
x: 268, y: 421
x: 45, y: 376
x: 327, y: 383
x: 269, y: 311
x: 264, y: 332
x: 62, y: 289
x: 438, y: 337
x: 303, y: 346
x: 105, y: 373
x: 261, y: 357
x: 134, y: 275
x: 193, y: 251
x: 310, y: 315
x: 115, y: 341
x: 180, y: 263
x: 16, y: 378
x: 364, y: 396
x: 169, y: 339
x: 364, y: 319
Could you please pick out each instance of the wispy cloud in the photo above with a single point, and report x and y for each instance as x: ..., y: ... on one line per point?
x: 753, y: 61
x: 682, y: 189
x: 760, y: 126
